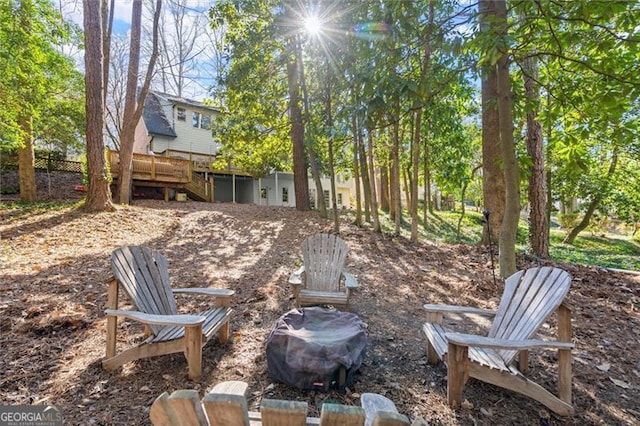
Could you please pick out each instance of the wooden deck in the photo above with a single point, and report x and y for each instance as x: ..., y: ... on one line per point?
x: 153, y: 168
x: 165, y: 172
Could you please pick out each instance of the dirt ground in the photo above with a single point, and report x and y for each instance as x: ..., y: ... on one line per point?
x: 53, y: 272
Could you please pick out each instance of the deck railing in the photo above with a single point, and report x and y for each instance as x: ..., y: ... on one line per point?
x: 154, y: 168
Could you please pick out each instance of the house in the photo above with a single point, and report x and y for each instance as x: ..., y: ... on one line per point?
x: 177, y: 128
x: 278, y: 189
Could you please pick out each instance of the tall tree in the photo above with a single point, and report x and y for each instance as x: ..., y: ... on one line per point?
x: 134, y: 101
x: 38, y: 83
x: 300, y: 178
x: 538, y: 218
x: 509, y: 228
x: 417, y: 132
x: 98, y: 193
x: 493, y: 178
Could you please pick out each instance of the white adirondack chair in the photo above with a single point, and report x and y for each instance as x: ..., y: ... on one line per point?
x: 226, y: 405
x: 143, y: 273
x: 529, y: 298
x: 322, y: 280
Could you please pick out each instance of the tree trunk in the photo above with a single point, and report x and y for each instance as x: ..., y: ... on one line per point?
x: 356, y: 172
x: 509, y: 228
x: 107, y: 25
x: 27, y: 162
x: 415, y: 163
x: 372, y: 183
x: 300, y: 178
x: 311, y: 154
x: 406, y: 186
x: 415, y: 169
x: 538, y: 222
x: 493, y: 185
x: 134, y: 102
x: 396, y: 200
x: 332, y: 172
x: 98, y: 192
x: 595, y: 202
x: 384, y: 186
x: 366, y: 184
x: 127, y: 134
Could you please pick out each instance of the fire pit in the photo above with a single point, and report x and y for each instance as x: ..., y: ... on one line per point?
x: 316, y: 348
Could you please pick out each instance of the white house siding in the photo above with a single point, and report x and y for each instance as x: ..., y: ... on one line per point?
x: 273, y: 190
x: 161, y: 143
x: 190, y: 139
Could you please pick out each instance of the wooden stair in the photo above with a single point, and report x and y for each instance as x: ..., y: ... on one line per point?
x: 198, y: 188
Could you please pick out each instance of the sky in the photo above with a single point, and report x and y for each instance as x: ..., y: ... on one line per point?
x: 122, y: 23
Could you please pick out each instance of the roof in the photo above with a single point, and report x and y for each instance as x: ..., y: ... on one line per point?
x: 154, y: 114
x: 155, y: 119
x: 186, y: 101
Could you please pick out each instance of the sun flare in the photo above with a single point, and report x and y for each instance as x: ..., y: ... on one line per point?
x: 312, y: 25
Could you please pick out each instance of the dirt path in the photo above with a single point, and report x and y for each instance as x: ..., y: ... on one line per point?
x: 52, y: 294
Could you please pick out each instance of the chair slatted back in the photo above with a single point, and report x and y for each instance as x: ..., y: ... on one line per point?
x: 324, y: 256
x: 144, y: 275
x: 529, y: 298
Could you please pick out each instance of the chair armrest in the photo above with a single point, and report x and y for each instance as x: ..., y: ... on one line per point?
x: 454, y: 309
x: 491, y: 343
x: 349, y: 280
x: 218, y: 292
x: 178, y: 320
x: 296, y: 277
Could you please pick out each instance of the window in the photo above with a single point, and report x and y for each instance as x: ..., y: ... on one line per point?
x: 339, y: 198
x: 196, y: 119
x: 285, y: 195
x: 182, y: 114
x: 205, y: 122
x: 326, y: 197
x: 263, y: 193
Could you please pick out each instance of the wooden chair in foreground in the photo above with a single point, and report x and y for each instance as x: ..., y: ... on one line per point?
x: 529, y: 298
x: 322, y: 280
x: 226, y: 405
x: 143, y: 274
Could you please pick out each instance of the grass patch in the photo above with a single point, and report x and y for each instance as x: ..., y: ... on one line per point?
x: 612, y: 251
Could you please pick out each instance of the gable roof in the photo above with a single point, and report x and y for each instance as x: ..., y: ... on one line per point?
x: 155, y: 118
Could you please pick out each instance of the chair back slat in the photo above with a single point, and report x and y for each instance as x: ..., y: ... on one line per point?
x: 528, y: 300
x: 144, y: 275
x: 324, y: 256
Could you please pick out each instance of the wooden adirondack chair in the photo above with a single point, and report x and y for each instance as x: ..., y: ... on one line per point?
x: 322, y: 280
x: 226, y: 405
x: 143, y: 273
x: 529, y: 298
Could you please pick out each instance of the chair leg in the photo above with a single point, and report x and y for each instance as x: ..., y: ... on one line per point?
x: 457, y: 372
x: 223, y: 333
x: 523, y: 361
x: 193, y: 350
x: 112, y: 321
x: 432, y: 355
x: 564, y: 356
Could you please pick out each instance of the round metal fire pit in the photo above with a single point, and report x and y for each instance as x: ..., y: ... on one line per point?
x: 316, y: 348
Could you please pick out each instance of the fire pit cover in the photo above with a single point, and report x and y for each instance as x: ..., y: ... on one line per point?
x: 307, y: 347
